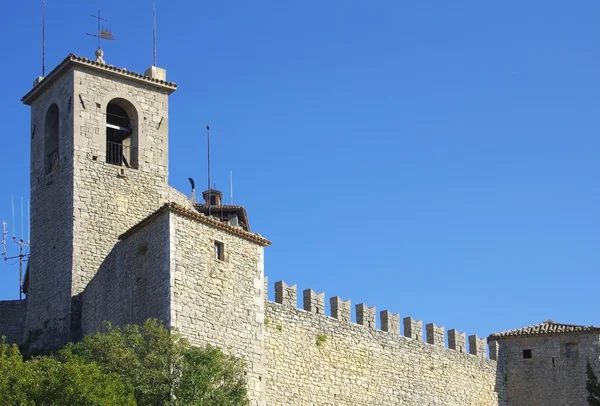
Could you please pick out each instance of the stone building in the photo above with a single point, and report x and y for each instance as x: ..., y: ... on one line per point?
x: 545, y: 364
x: 111, y: 240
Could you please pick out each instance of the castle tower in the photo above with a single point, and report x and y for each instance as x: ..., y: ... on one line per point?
x: 99, y: 164
x: 546, y: 364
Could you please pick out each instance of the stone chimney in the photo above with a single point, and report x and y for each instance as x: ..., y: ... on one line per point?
x: 212, y: 197
x: 157, y: 73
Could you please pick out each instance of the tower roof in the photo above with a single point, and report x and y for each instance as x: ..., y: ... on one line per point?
x: 546, y: 328
x: 74, y: 60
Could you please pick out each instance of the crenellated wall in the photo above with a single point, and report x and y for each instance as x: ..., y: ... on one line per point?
x: 12, y: 320
x: 315, y: 359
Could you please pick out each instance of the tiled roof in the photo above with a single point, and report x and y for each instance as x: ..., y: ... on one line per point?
x: 195, y: 215
x: 226, y: 208
x: 547, y: 327
x: 79, y: 60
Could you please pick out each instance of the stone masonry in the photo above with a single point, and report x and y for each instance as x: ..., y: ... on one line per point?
x: 112, y: 241
x: 314, y: 359
x: 79, y: 209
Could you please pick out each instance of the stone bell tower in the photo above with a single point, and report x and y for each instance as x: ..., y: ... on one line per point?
x: 99, y: 164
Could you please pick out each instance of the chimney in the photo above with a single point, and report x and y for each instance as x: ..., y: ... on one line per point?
x: 156, y: 73
x: 212, y: 197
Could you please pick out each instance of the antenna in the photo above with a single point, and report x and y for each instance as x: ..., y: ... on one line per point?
x: 22, y: 256
x: 12, y: 200
x: 43, y: 38
x: 22, y: 226
x: 230, y: 187
x: 101, y: 34
x: 154, y: 30
x: 208, y: 154
x: 4, y: 235
x: 28, y: 221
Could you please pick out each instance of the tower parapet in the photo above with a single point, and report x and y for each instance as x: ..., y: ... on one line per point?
x: 314, y: 302
x: 435, y: 334
x: 340, y: 309
x: 390, y: 322
x: 457, y: 341
x: 365, y: 316
x: 285, y: 295
x: 413, y: 328
x: 477, y: 346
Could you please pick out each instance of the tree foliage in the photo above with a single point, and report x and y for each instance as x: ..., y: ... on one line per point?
x: 47, y: 381
x: 592, y: 386
x: 134, y: 365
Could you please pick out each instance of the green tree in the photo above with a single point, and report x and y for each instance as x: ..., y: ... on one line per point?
x: 592, y: 386
x: 47, y: 381
x: 161, y: 368
x: 210, y: 377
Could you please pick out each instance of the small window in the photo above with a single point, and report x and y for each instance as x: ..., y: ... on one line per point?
x: 527, y: 354
x: 213, y: 200
x: 51, y: 140
x: 572, y: 350
x: 219, y: 251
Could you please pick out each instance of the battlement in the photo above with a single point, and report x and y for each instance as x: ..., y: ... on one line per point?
x: 313, y: 302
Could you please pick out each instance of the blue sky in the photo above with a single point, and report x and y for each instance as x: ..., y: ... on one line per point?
x: 437, y: 159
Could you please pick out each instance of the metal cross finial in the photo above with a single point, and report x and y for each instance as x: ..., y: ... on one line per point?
x: 101, y: 34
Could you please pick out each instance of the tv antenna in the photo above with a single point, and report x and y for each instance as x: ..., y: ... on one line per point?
x: 154, y: 31
x: 43, y: 38
x: 101, y: 34
x: 230, y: 187
x: 21, y: 242
x: 208, y: 161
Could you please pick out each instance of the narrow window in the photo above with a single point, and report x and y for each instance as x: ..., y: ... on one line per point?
x: 219, y: 251
x: 572, y: 350
x: 526, y: 354
x: 121, y: 134
x: 51, y: 140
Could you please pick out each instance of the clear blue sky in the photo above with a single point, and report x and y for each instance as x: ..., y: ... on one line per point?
x: 438, y: 159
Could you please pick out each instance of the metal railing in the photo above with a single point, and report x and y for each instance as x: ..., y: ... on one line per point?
x: 119, y: 154
x: 52, y: 161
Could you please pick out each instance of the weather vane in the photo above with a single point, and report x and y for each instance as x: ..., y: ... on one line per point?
x: 101, y: 34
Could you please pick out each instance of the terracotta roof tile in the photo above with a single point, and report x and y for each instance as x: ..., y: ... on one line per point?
x: 227, y: 208
x: 74, y: 59
x: 547, y: 327
x: 195, y: 215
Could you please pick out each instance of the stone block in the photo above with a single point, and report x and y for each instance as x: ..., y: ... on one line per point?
x: 314, y: 302
x: 365, y: 315
x: 435, y: 334
x: 339, y: 309
x: 494, y: 349
x: 285, y: 295
x: 457, y: 341
x: 477, y: 346
x: 413, y: 328
x: 390, y: 322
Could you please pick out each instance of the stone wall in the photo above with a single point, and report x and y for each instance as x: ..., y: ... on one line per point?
x: 111, y: 199
x: 132, y: 284
x: 50, y: 264
x: 180, y: 198
x: 12, y: 320
x: 555, y: 375
x: 219, y: 302
x: 80, y: 209
x: 314, y: 359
